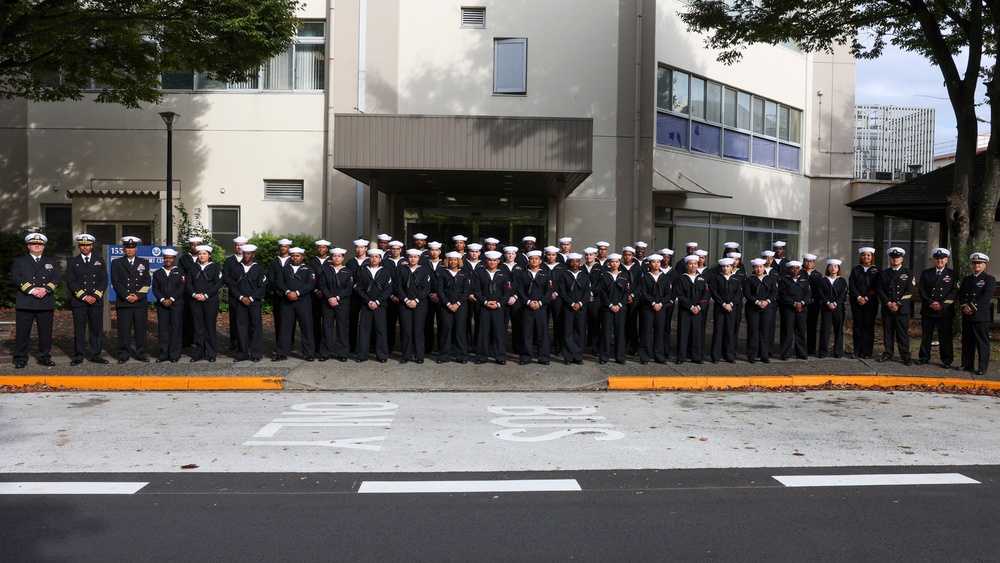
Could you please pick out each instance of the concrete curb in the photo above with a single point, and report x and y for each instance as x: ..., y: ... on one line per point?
x: 642, y: 383
x: 147, y: 383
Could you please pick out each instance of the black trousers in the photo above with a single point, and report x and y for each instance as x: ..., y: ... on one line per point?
x: 354, y: 320
x: 292, y: 313
x: 391, y: 320
x: 88, y: 324
x: 723, y: 333
x: 515, y: 315
x: 492, y: 332
x: 689, y: 335
x: 249, y: 331
x: 975, y: 340
x: 574, y: 333
x: 372, y: 324
x: 655, y: 340
x: 206, y: 338
x: 758, y: 331
x: 170, y: 323
x: 896, y: 331
x: 318, y: 304
x: 187, y: 325
x: 812, y: 325
x: 613, y: 329
x: 558, y: 327
x: 132, y: 319
x: 535, y: 332
x: 831, y: 324
x: 430, y: 320
x: 946, y: 345
x: 23, y: 319
x: 864, y: 327
x: 632, y: 327
x: 593, y: 324
x: 335, y: 331
x: 411, y: 330
x: 233, y: 340
x: 793, y: 332
x: 452, y: 333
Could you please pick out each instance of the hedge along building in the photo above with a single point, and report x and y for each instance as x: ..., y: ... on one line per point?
x: 596, y: 120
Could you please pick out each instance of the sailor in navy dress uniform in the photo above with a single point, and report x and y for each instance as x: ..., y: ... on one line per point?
x: 760, y: 292
x: 420, y: 243
x: 640, y: 251
x: 316, y: 264
x: 459, y: 243
x: 794, y: 294
x: 565, y: 248
x: 780, y: 260
x: 528, y: 242
x: 36, y: 278
x: 613, y: 291
x: 355, y: 264
x: 895, y: 285
x: 512, y: 314
x: 593, y: 269
x: 863, y: 287
x: 555, y: 269
x: 470, y: 263
x: 692, y: 301
x: 203, y: 287
x: 169, y: 287
x: 337, y: 284
x: 938, y: 288
x: 87, y: 280
x: 453, y: 288
x: 434, y: 264
x: 295, y: 283
x: 602, y: 252
x: 727, y: 291
x: 656, y: 300
x: 131, y: 280
x: 574, y: 292
x: 185, y: 262
x: 813, y: 307
x: 974, y: 296
x: 230, y: 270
x: 832, y: 297
x: 493, y: 291
x: 412, y: 288
x: 273, y: 271
x: 250, y: 289
x: 633, y: 270
x: 374, y: 285
x: 535, y: 293
x: 390, y: 261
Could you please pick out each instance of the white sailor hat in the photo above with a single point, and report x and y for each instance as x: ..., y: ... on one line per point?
x: 701, y: 253
x: 640, y: 244
x: 601, y: 243
x: 434, y: 244
x: 375, y: 252
x: 533, y: 253
x: 475, y: 246
x: 808, y: 257
x: 201, y: 239
x: 726, y: 261
x: 978, y: 257
x: 627, y: 249
x: 895, y: 252
x: 768, y: 253
x: 131, y: 241
x: 864, y: 249
x: 758, y: 262
x: 666, y: 252
x: 691, y: 258
x: 731, y: 245
x: 565, y: 239
x: 384, y: 237
x: 420, y: 236
x: 614, y: 256
x: 460, y: 238
x: 413, y: 252
x: 453, y: 254
x: 358, y: 242
x: 778, y: 243
x: 691, y: 245
x: 338, y: 250
x: 529, y: 237
x: 735, y: 255
x: 249, y: 248
x: 493, y: 255
x: 833, y: 261
x: 654, y: 257
x: 296, y: 250
x: 323, y: 242
x: 940, y: 252
x: 84, y: 237
x: 793, y: 264
x: 396, y: 243
x: 240, y: 240
x: 206, y: 247
x: 551, y: 249
x: 574, y: 256
x: 169, y: 252
x: 491, y: 240
x: 510, y: 249
x: 288, y: 242
x: 590, y: 250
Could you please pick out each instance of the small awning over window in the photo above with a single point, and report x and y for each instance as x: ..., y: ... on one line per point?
x: 516, y: 156
x: 125, y: 188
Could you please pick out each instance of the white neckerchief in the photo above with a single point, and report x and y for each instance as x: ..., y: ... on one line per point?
x: 656, y: 276
x: 374, y: 270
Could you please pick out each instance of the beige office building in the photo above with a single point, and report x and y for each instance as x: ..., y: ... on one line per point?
x: 595, y: 119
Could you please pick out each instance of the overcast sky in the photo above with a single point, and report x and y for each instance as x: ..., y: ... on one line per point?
x: 905, y: 79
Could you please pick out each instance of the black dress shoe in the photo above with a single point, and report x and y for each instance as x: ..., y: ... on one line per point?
x: 341, y: 358
x: 211, y: 360
x: 279, y: 358
x: 254, y: 360
x: 98, y: 360
x: 480, y: 362
x: 360, y: 360
x: 981, y: 372
x: 502, y: 362
x: 715, y: 361
x: 662, y: 362
x: 238, y: 360
x: 602, y: 362
x: 161, y: 360
x: 522, y: 363
x: 322, y: 359
x: 78, y: 362
x: 803, y: 357
x: 143, y: 359
x: 907, y: 363
x: 122, y: 360
x: 883, y: 359
x: 699, y: 362
x: 175, y: 361
x: 382, y: 361
x: 440, y: 361
x: 962, y: 368
x: 420, y: 361
x: 543, y: 363
x: 20, y: 365
x: 567, y: 362
x: 307, y: 358
x: 766, y: 360
x: 784, y: 358
x: 946, y: 366
x: 678, y: 362
x: 822, y: 355
x: 463, y: 361
x: 752, y: 361
x: 620, y: 362
x: 920, y: 362
x: 193, y: 360
x: 643, y: 362
x: 403, y: 361
x: 578, y: 362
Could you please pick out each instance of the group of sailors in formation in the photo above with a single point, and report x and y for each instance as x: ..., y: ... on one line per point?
x: 464, y: 300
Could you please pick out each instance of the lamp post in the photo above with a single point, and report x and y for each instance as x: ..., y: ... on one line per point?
x: 169, y: 117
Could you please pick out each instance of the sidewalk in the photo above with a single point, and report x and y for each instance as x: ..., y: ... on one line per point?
x: 296, y: 374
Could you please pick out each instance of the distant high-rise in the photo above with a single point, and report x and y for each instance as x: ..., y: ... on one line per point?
x: 891, y: 141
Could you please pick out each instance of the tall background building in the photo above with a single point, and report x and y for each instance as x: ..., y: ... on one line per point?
x: 891, y: 141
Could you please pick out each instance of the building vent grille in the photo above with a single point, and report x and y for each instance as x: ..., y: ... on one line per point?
x: 474, y: 17
x: 284, y: 190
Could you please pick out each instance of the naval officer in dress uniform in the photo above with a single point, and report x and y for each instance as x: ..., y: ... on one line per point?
x: 186, y: 263
x: 895, y: 285
x: 974, y: 296
x: 131, y: 279
x: 36, y: 278
x: 87, y: 280
x: 169, y: 287
x: 938, y: 287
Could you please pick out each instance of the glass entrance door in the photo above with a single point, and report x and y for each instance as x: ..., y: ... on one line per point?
x: 506, y: 218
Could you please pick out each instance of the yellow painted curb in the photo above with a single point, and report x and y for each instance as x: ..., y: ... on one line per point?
x: 643, y: 383
x: 147, y: 383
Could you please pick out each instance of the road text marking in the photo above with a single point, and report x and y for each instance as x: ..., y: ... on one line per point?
x: 521, y: 485
x: 875, y: 479
x: 70, y: 488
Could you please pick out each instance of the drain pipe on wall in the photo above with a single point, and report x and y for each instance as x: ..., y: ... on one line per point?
x: 638, y: 121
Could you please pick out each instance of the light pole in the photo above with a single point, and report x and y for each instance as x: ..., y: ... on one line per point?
x: 169, y: 117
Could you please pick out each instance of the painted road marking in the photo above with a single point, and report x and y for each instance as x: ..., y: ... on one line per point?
x: 541, y: 424
x: 340, y: 422
x: 69, y: 488
x: 521, y: 485
x: 874, y: 479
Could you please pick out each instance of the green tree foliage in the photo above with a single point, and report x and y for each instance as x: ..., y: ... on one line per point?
x: 51, y: 50
x: 957, y: 37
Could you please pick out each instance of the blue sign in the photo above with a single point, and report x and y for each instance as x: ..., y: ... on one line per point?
x: 152, y: 253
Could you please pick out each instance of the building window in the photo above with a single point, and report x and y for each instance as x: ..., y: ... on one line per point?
x: 57, y: 221
x: 673, y: 227
x: 225, y: 224
x: 473, y: 17
x: 898, y: 232
x: 284, y: 190
x: 510, y: 66
x: 706, y: 117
